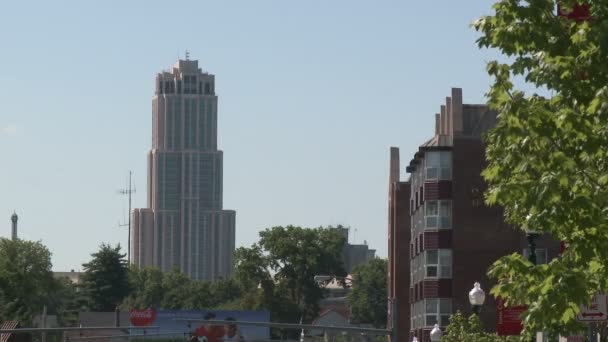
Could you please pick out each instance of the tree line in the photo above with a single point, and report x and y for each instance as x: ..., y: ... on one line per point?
x: 276, y: 274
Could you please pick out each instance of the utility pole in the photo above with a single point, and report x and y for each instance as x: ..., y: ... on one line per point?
x: 129, y: 191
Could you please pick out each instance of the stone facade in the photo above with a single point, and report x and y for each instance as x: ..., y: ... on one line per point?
x: 185, y: 225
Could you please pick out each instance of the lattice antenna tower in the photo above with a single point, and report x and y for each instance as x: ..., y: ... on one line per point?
x: 128, y: 192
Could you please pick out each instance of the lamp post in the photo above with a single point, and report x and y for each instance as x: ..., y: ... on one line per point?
x: 436, y: 333
x: 476, y: 298
x: 531, y: 237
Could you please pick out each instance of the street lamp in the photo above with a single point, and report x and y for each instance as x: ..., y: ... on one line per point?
x: 436, y: 333
x: 531, y: 237
x: 476, y: 298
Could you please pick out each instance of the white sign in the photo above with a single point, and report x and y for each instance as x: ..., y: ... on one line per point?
x: 596, y: 311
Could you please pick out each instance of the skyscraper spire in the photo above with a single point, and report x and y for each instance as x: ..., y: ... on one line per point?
x: 14, y: 219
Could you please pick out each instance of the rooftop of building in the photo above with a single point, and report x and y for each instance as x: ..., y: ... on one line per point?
x: 184, y: 66
x: 455, y: 120
x: 72, y: 275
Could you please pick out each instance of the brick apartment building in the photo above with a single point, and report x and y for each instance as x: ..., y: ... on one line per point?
x: 442, y: 236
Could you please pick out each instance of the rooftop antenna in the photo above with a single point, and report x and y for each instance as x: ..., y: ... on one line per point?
x: 187, y: 55
x: 129, y: 191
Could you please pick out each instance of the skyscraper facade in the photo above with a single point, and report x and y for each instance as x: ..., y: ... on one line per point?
x: 185, y: 225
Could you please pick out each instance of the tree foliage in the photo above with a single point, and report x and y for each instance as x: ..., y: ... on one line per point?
x: 462, y: 329
x: 368, y: 298
x: 278, y: 272
x: 176, y: 288
x: 105, y: 279
x: 295, y: 255
x: 151, y: 288
x: 146, y: 288
x: 548, y: 162
x: 66, y: 302
x: 26, y: 279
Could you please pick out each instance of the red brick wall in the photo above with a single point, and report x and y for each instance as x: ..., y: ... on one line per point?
x: 399, y: 256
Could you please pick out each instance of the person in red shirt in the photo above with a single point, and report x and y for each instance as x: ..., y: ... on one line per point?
x: 233, y: 334
x: 208, y: 332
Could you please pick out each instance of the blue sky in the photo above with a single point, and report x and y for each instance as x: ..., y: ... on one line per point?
x: 311, y: 96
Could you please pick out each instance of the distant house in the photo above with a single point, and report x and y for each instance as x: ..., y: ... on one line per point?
x: 329, y: 317
x: 74, y: 277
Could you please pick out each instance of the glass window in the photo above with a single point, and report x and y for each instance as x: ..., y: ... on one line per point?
x: 445, y: 214
x: 541, y: 255
x: 438, y: 263
x: 445, y: 263
x: 437, y: 310
x: 438, y: 214
x: 432, y: 256
x: 438, y: 164
x: 431, y: 208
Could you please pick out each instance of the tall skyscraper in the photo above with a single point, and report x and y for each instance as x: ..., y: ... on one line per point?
x: 184, y: 225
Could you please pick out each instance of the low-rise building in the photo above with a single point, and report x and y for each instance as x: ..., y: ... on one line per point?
x: 453, y: 236
x: 354, y: 255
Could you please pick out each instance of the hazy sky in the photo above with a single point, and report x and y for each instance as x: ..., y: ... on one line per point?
x: 311, y: 96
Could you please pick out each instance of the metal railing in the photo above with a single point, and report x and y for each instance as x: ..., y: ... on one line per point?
x: 368, y: 331
x: 66, y: 330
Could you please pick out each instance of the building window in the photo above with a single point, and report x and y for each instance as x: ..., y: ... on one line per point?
x: 169, y: 87
x: 438, y: 263
x: 541, y: 255
x: 438, y: 165
x: 189, y: 84
x: 437, y: 311
x: 438, y: 214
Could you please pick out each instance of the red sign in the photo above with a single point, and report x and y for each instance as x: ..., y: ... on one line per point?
x: 142, y: 318
x: 580, y: 12
x: 509, y: 319
x: 596, y: 311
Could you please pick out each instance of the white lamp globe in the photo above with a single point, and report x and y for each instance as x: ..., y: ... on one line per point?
x: 476, y: 295
x: 436, y: 333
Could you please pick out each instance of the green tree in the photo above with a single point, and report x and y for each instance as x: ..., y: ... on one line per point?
x: 177, y: 288
x: 251, y: 267
x: 461, y: 329
x: 106, y: 279
x: 368, y: 299
x: 26, y: 279
x: 225, y: 291
x: 295, y: 255
x: 66, y: 302
x: 277, y: 273
x: 201, y: 296
x: 147, y: 288
x: 548, y: 162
